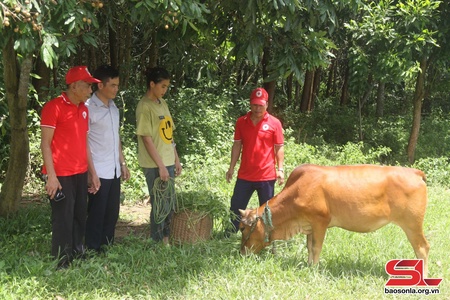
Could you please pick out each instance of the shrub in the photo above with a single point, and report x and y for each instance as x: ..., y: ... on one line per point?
x: 203, y: 122
x: 436, y: 169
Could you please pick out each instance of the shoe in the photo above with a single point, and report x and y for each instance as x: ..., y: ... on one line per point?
x: 227, y: 234
x: 63, y: 264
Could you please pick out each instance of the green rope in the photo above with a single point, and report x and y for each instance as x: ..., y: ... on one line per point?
x: 165, y: 199
x: 267, y: 220
x: 267, y: 216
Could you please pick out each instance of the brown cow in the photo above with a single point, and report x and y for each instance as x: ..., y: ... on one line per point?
x: 360, y: 198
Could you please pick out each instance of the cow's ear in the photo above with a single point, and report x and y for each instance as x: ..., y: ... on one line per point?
x: 245, y: 217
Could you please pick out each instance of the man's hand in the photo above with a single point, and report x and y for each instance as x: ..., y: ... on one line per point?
x: 93, y: 183
x: 229, y: 175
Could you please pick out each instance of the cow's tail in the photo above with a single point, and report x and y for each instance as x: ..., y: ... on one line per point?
x: 422, y: 175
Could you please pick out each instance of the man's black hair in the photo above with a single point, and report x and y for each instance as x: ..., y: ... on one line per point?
x: 156, y: 75
x: 105, y: 72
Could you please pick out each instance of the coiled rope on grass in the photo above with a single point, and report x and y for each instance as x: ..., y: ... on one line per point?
x: 165, y: 199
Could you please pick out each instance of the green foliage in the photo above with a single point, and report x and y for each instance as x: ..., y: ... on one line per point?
x: 287, y: 28
x: 348, y: 154
x: 134, y: 190
x: 437, y: 170
x: 392, y: 132
x: 328, y: 123
x: 4, y: 133
x: 434, y: 140
x: 49, y: 28
x: 203, y: 121
x: 202, y: 187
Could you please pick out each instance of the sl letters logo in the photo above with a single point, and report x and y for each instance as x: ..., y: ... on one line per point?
x: 408, y: 272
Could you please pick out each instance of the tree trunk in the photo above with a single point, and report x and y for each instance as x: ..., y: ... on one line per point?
x: 113, y: 47
x: 380, y: 99
x: 345, y: 86
x: 297, y: 93
x: 417, y: 104
x: 331, y: 78
x: 269, y: 86
x: 42, y: 82
x: 362, y: 102
x: 153, y: 55
x: 125, y: 56
x: 16, y: 86
x: 316, y: 88
x: 289, y: 88
x: 305, y: 105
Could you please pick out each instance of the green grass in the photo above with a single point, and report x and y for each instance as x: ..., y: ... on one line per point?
x: 351, y: 266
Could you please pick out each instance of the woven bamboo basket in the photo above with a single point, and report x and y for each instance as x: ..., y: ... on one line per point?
x: 189, y: 227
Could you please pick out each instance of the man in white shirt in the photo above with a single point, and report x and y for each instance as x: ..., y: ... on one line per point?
x: 106, y: 161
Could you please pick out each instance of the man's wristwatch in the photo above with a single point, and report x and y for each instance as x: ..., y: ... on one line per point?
x: 281, y: 170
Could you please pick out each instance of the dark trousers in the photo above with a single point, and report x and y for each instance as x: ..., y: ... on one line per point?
x: 161, y: 230
x: 69, y: 218
x: 243, y: 191
x: 103, y: 213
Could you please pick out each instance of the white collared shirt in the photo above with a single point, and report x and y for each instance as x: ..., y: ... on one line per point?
x: 104, y: 137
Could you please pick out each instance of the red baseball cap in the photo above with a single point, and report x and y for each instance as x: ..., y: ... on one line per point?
x: 259, y: 96
x: 79, y: 73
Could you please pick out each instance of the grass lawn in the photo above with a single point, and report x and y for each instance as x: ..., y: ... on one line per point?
x: 351, y: 266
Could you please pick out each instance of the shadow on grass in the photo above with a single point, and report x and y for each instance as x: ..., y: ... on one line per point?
x: 293, y: 253
x: 137, y: 267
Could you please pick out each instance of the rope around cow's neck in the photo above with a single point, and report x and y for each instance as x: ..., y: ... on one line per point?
x: 267, y: 221
x: 165, y: 199
x: 266, y: 218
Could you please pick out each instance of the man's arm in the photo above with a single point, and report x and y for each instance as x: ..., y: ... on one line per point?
x: 123, y: 165
x: 93, y: 180
x: 178, y: 167
x: 52, y: 185
x: 151, y: 150
x: 279, y: 157
x: 235, y: 154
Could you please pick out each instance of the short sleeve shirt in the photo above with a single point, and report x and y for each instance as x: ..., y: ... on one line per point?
x: 68, y: 146
x: 103, y: 137
x: 258, y: 147
x: 153, y: 119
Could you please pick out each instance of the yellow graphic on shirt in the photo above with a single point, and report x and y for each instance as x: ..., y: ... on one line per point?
x: 166, y: 129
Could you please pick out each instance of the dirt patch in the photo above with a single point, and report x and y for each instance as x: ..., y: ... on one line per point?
x: 133, y: 220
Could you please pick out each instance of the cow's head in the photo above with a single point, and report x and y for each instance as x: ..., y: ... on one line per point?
x: 253, y: 232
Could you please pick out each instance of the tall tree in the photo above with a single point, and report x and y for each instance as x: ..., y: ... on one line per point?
x: 16, y: 83
x: 392, y: 42
x: 68, y: 32
x: 30, y: 28
x: 279, y: 38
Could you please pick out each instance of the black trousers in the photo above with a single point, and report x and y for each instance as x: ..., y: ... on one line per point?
x: 243, y: 191
x: 103, y: 213
x: 69, y: 218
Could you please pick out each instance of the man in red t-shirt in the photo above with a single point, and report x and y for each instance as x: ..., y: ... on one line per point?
x: 259, y: 136
x: 64, y: 128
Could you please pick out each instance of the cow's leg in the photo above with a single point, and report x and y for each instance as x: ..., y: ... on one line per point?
x: 274, y: 248
x: 420, y: 245
x: 315, y: 242
x: 309, y: 247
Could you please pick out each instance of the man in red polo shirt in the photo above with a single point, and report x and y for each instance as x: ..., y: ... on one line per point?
x: 259, y: 136
x: 64, y: 128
